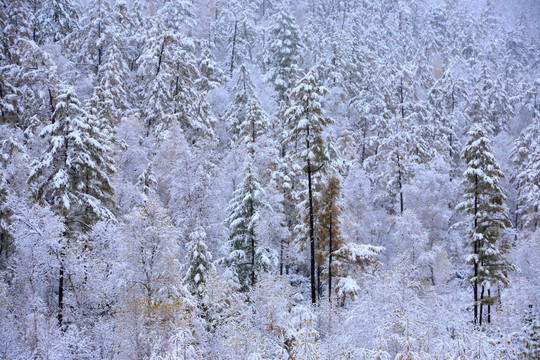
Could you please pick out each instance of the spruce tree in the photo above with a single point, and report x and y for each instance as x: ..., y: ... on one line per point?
x: 283, y: 53
x: 56, y: 19
x: 243, y: 90
x: 531, y: 336
x: 484, y: 205
x: 73, y: 174
x: 147, y: 182
x: 246, y: 256
x: 526, y: 158
x: 255, y: 124
x: 199, y: 263
x: 306, y: 124
x: 489, y: 102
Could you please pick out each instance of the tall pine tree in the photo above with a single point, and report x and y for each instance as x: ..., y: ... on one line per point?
x: 487, y: 218
x: 246, y: 257
x: 306, y: 124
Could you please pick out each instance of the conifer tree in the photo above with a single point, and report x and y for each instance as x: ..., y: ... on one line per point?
x: 56, y: 19
x: 94, y: 34
x: 306, y: 123
x: 243, y: 90
x: 444, y: 117
x: 283, y: 52
x: 199, y: 262
x: 489, y: 102
x: 110, y: 97
x: 242, y: 30
x: 526, y: 158
x: 531, y: 338
x: 328, y: 229
x: 147, y: 182
x: 402, y: 137
x: 169, y: 64
x: 484, y: 205
x: 247, y: 258
x: 255, y: 124
x: 73, y: 173
x: 211, y: 74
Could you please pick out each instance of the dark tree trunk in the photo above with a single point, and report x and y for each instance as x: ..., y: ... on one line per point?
x: 311, y: 234
x: 252, y: 235
x: 481, y: 304
x: 311, y: 224
x: 489, y: 307
x: 61, y: 295
x: 319, y: 283
x: 3, y: 243
x: 233, y: 52
x: 281, y: 257
x: 160, y: 59
x: 400, y: 185
x: 330, y: 261
x: 51, y: 102
x: 476, y: 250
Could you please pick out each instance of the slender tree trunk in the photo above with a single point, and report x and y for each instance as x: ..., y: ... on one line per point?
x: 1, y: 242
x: 100, y: 49
x: 234, y: 46
x: 400, y: 184
x: 476, y: 251
x: 281, y: 258
x: 252, y: 235
x: 1, y: 97
x: 51, y: 102
x: 330, y: 261
x: 489, y: 307
x: 311, y: 224
x: 311, y: 234
x: 61, y: 295
x: 319, y: 283
x: 160, y: 58
x: 481, y: 304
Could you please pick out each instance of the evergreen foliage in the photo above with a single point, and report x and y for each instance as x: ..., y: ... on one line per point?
x: 247, y: 258
x: 484, y: 205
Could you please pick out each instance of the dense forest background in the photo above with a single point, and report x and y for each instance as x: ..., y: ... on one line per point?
x: 269, y: 179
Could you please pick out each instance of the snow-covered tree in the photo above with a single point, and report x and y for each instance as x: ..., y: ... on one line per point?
x: 199, y: 261
x: 526, y: 158
x: 56, y: 19
x: 283, y: 52
x: 247, y: 257
x: 153, y: 299
x: 91, y: 40
x: 168, y: 61
x: 531, y: 338
x: 489, y: 103
x: 242, y: 32
x: 487, y: 220
x: 73, y: 173
x: 5, y: 215
x: 147, y: 182
x: 244, y: 91
x: 306, y: 123
x: 110, y: 99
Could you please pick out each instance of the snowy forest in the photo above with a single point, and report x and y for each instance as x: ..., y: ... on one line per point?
x: 269, y: 179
